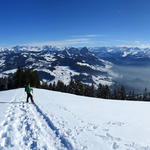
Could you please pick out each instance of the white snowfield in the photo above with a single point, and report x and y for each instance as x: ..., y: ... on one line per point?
x: 60, y: 121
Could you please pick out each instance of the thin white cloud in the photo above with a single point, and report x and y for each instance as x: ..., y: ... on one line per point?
x: 122, y: 41
x: 137, y: 43
x: 88, y: 35
x: 90, y: 42
x: 133, y: 45
x: 63, y: 43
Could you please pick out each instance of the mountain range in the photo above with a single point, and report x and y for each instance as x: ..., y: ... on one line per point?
x: 90, y: 65
x: 123, y: 55
x: 54, y: 64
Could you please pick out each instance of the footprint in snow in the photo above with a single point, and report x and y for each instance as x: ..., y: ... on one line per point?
x: 115, y: 146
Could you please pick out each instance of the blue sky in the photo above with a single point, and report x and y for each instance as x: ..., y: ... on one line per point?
x: 75, y: 22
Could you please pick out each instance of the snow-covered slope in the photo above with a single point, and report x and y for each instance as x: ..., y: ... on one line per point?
x: 65, y: 121
x: 54, y: 64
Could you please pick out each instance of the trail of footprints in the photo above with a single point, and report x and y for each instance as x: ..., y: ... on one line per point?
x: 7, y: 129
x: 25, y: 128
x: 19, y: 124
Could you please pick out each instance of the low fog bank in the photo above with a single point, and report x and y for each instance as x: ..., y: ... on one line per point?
x: 133, y: 77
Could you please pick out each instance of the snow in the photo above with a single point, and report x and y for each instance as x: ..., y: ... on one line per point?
x: 66, y: 121
x: 49, y: 58
x: 2, y: 62
x: 132, y: 51
x: 63, y: 73
x: 102, y: 80
x: 85, y: 64
x: 30, y: 59
x: 6, y: 73
x: 125, y: 54
x: 109, y: 50
x: 25, y: 56
x: 10, y: 71
x: 97, y: 67
x: 6, y: 98
x: 60, y: 55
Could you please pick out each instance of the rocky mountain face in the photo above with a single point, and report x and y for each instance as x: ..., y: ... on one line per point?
x: 54, y: 64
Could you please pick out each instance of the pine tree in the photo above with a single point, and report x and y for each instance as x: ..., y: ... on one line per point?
x: 54, y: 86
x: 23, y: 76
x: 44, y: 85
x: 79, y: 88
x: 129, y: 95
x: 92, y: 90
x: 133, y: 95
x: 50, y: 87
x: 107, y: 92
x: 18, y: 78
x: 122, y: 92
x: 60, y: 86
x: 115, y: 95
x: 145, y: 94
x: 99, y: 91
x: 71, y: 87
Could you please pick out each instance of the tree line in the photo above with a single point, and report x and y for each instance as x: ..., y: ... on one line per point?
x: 103, y: 91
x: 23, y: 76
x: 20, y: 79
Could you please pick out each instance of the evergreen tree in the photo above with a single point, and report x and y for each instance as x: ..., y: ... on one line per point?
x: 106, y: 92
x: 79, y: 88
x: 122, y: 93
x: 44, y: 85
x: 18, y: 78
x: 145, y: 94
x: 115, y: 95
x: 50, y: 87
x: 129, y: 97
x: 35, y: 78
x: 23, y: 76
x: 99, y: 91
x: 60, y: 86
x: 71, y: 87
x: 133, y: 95
x: 54, y: 86
x: 91, y: 91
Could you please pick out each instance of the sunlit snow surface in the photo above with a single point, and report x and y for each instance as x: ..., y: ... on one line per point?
x: 65, y: 121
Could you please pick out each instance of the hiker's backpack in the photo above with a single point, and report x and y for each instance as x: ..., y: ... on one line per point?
x: 26, y: 88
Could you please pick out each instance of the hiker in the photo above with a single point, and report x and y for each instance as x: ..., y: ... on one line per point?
x: 28, y: 90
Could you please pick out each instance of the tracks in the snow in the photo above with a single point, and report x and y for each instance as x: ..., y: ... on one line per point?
x: 26, y: 126
x: 63, y: 140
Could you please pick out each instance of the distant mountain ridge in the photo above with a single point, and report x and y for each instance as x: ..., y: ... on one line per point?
x: 123, y: 55
x: 55, y: 64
